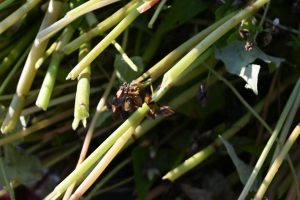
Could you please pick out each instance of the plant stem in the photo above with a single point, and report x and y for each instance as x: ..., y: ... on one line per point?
x: 102, y: 27
x: 49, y: 81
x: 107, y: 158
x: 29, y: 72
x: 263, y: 18
x: 103, y: 44
x: 81, y: 108
x: 98, y: 152
x: 18, y: 14
x: 162, y: 65
x: 273, y: 170
x: 279, y: 25
x: 123, y: 54
x: 203, y: 154
x: 38, y: 126
x: 270, y: 142
x: 56, y: 101
x: 91, y: 19
x: 157, y: 11
x: 13, y: 71
x: 18, y: 49
x: 94, y: 192
x: 54, y: 28
x: 287, y: 125
x: 91, y: 129
x: 10, y: 189
x: 207, y: 42
x: 46, y: 54
x: 5, y: 4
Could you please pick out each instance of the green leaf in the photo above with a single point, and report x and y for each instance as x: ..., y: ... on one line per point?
x: 239, y: 61
x: 243, y: 169
x: 162, y: 162
x: 182, y: 11
x: 18, y: 165
x: 223, y: 9
x: 124, y: 72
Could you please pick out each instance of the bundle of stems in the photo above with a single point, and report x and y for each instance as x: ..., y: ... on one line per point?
x: 71, y: 16
x: 49, y: 80
x: 18, y: 14
x: 102, y: 27
x: 103, y: 44
x: 18, y: 49
x: 29, y: 72
x: 278, y: 161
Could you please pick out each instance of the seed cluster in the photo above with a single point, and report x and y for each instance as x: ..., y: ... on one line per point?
x: 128, y: 99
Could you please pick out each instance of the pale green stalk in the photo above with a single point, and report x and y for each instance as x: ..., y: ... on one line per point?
x: 157, y: 11
x: 273, y: 170
x: 29, y: 72
x: 10, y: 189
x: 207, y: 42
x: 56, y: 101
x: 46, y: 54
x: 5, y: 4
x: 71, y: 16
x: 103, y: 44
x: 98, y: 152
x: 13, y: 71
x: 104, y: 162
x: 93, y: 192
x: 287, y: 125
x: 102, y: 27
x: 270, y: 142
x: 18, y: 49
x: 38, y: 126
x: 165, y: 63
x: 123, y: 54
x: 18, y: 14
x: 49, y: 80
x: 81, y: 107
x: 90, y: 132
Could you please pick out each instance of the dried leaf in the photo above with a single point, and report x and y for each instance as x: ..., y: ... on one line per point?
x: 165, y: 111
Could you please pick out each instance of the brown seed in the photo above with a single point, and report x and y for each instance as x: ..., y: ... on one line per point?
x: 165, y: 111
x: 120, y: 92
x: 138, y: 101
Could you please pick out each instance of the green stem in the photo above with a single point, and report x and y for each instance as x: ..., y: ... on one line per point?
x: 91, y: 19
x: 13, y: 71
x: 270, y: 142
x: 38, y: 126
x: 29, y: 71
x: 18, y: 14
x: 263, y: 18
x: 102, y: 27
x: 69, y: 18
x: 5, y: 4
x: 273, y: 170
x: 56, y: 101
x: 46, y: 55
x: 7, y: 50
x: 103, y: 44
x: 81, y: 108
x: 162, y: 65
x: 18, y: 49
x: 49, y: 81
x: 10, y: 189
x: 123, y: 54
x: 207, y: 42
x: 279, y: 25
x: 98, y: 152
x: 206, y: 152
x: 157, y: 11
